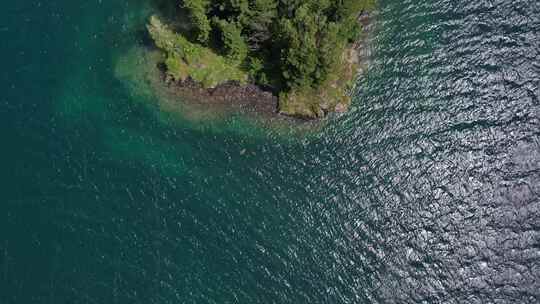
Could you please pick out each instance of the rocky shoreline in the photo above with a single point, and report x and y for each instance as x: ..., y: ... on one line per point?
x: 247, y: 97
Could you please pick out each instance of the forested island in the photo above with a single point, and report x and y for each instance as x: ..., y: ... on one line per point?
x: 298, y: 54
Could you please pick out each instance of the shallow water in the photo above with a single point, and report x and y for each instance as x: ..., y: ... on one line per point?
x: 428, y: 191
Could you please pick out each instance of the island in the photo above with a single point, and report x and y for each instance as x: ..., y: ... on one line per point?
x: 296, y: 57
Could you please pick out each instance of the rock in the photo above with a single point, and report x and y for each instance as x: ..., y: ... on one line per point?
x: 341, y: 108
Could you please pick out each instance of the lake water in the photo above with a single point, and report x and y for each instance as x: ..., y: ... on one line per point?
x: 428, y: 191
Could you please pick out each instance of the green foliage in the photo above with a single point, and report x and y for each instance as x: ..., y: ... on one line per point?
x: 313, y: 34
x: 328, y: 96
x: 185, y: 59
x: 258, y: 26
x: 294, y: 45
x: 198, y: 12
x: 345, y: 9
x: 233, y: 43
x: 331, y: 46
x: 256, y: 71
x: 299, y: 58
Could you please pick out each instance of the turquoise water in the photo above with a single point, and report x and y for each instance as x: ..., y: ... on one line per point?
x: 428, y: 191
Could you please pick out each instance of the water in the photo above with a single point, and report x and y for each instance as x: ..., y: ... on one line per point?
x: 427, y: 192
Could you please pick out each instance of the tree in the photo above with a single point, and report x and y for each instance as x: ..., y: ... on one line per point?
x: 261, y: 16
x: 231, y: 36
x: 199, y: 18
x: 297, y: 42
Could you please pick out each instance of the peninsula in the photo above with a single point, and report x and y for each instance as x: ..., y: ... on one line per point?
x: 300, y: 55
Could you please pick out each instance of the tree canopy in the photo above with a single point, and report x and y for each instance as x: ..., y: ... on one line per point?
x: 305, y: 37
x: 285, y: 44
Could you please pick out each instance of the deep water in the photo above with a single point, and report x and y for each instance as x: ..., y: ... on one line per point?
x: 428, y: 191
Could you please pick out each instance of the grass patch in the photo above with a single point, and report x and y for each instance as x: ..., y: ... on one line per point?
x: 189, y: 60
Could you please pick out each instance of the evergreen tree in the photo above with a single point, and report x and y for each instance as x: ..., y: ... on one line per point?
x: 231, y: 36
x: 300, y: 41
x: 198, y: 13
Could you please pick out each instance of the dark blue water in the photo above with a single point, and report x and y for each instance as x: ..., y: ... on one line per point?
x: 428, y: 191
